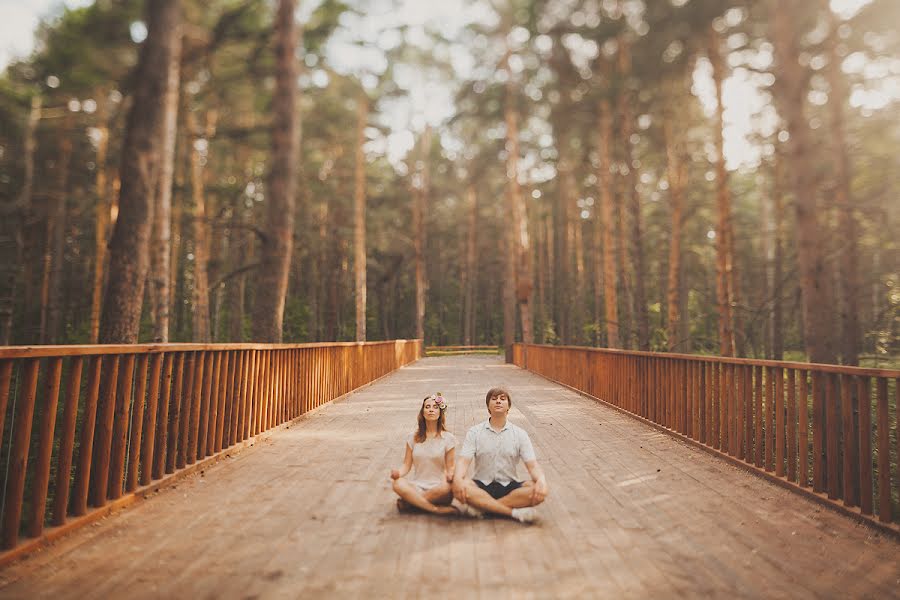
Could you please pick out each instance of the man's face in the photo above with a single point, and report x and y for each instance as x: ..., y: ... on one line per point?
x: 498, y: 405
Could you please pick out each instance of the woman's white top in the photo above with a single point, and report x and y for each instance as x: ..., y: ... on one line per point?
x: 428, y: 459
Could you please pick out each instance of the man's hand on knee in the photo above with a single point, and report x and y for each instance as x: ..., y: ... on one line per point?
x: 539, y: 491
x: 459, y: 489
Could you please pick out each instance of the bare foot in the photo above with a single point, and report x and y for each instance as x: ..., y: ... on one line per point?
x: 445, y: 510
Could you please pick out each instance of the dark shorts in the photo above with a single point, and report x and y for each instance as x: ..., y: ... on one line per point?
x: 498, y: 490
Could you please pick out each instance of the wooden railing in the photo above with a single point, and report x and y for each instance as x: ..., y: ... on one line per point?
x: 129, y: 415
x: 830, y: 427
x: 445, y: 350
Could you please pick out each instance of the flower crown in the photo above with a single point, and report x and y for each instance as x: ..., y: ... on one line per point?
x: 439, y: 400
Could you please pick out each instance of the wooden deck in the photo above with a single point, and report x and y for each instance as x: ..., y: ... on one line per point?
x: 308, y: 512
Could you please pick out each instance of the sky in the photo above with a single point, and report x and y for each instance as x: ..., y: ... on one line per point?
x: 429, y: 99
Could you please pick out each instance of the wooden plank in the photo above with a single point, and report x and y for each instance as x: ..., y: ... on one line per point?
x: 106, y: 414
x: 818, y: 430
x: 698, y: 407
x: 165, y: 434
x: 18, y: 457
x: 849, y: 437
x: 212, y: 416
x: 792, y: 425
x: 6, y: 370
x: 187, y: 402
x: 265, y: 397
x: 242, y: 398
x: 202, y: 370
x: 779, y: 422
x: 135, y: 448
x: 224, y: 391
x: 864, y: 395
x: 176, y: 411
x: 41, y: 482
x: 718, y: 414
x: 124, y: 396
x: 769, y: 438
x: 739, y: 413
x: 223, y: 438
x: 803, y: 430
x: 231, y: 400
x: 211, y: 370
x: 897, y: 434
x: 67, y: 441
x: 884, y: 451
x: 81, y: 487
x: 758, y: 415
x: 143, y: 439
x: 214, y: 444
x: 747, y: 394
x: 833, y: 433
x: 251, y: 382
x: 710, y: 405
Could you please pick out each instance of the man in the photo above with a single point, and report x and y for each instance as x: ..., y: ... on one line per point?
x: 496, y: 446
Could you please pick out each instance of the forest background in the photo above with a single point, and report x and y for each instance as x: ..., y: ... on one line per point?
x: 709, y: 176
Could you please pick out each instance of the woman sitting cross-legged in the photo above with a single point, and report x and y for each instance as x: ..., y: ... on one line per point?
x: 430, y: 455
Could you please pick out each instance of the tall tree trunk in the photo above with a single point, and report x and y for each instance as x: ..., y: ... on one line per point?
x: 632, y: 202
x: 419, y: 199
x: 240, y: 249
x: 101, y: 234
x: 201, y: 305
x: 778, y: 260
x: 766, y: 234
x: 14, y: 227
x: 160, y: 249
x: 549, y: 282
x: 676, y: 170
x: 56, y: 238
x: 470, y: 276
x: 622, y: 272
x: 790, y: 93
x: 724, y: 247
x: 599, y: 338
x: 849, y: 280
x: 518, y: 285
x: 359, y: 217
x: 320, y: 213
x: 562, y: 285
x: 607, y: 222
x: 268, y: 309
x: 540, y: 276
x: 129, y: 247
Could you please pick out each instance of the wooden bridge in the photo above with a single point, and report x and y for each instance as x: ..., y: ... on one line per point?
x: 650, y: 492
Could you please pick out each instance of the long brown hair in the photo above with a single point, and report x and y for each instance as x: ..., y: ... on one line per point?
x: 420, y: 433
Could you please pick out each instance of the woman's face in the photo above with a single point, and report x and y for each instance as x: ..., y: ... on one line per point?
x: 430, y: 411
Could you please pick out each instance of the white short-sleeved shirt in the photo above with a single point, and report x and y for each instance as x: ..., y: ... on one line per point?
x: 428, y: 459
x: 497, y: 453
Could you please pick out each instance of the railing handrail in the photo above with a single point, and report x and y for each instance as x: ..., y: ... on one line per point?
x: 7, y: 352
x: 826, y: 368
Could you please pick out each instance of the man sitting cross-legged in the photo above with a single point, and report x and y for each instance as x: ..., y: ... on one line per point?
x: 496, y: 445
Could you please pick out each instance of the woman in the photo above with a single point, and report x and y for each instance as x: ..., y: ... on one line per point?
x: 430, y: 455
